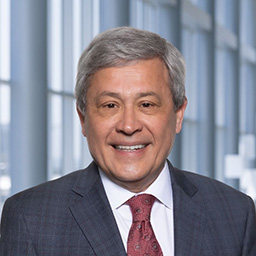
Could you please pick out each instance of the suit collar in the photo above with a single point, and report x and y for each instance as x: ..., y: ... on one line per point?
x: 94, y: 216
x: 161, y: 188
x: 179, y: 179
x: 189, y: 217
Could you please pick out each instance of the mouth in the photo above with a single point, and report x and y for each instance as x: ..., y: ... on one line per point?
x: 129, y: 148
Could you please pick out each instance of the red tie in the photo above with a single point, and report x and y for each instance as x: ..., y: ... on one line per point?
x: 141, y: 239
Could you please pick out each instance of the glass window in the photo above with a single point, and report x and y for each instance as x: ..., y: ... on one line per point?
x: 203, y: 4
x: 248, y: 22
x: 55, y: 143
x: 144, y: 14
x: 5, y: 40
x: 220, y: 113
x: 247, y: 99
x: 221, y: 100
x: 190, y: 127
x: 227, y: 12
x: 197, y: 130
x: 5, y: 95
x: 68, y: 21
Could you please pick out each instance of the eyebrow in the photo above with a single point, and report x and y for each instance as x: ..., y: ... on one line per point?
x: 150, y: 93
x: 139, y: 95
x: 110, y: 94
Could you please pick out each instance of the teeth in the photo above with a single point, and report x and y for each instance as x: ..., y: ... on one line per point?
x: 130, y: 148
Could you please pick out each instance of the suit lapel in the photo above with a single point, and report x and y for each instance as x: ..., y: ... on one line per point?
x: 93, y: 214
x: 189, y: 217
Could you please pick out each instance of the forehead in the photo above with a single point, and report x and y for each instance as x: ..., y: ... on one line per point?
x: 143, y: 73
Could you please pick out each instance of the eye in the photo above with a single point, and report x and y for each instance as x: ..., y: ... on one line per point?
x: 146, y: 105
x: 110, y: 105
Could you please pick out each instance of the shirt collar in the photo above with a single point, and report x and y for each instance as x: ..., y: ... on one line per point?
x: 161, y: 188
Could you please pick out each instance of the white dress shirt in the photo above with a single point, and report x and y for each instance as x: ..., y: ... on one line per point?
x: 161, y: 214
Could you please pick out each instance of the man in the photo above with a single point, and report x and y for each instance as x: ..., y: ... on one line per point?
x: 131, y: 102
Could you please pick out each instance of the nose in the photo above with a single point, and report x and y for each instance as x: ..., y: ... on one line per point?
x: 129, y: 122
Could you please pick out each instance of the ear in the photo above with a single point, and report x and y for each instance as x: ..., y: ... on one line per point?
x: 82, y: 120
x: 180, y: 115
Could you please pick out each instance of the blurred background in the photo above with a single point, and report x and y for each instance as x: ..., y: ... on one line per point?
x: 40, y: 44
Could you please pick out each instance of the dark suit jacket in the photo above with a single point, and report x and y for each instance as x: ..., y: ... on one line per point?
x: 72, y: 216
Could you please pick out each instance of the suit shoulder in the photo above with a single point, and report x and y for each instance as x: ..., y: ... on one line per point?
x: 212, y: 188
x: 47, y: 191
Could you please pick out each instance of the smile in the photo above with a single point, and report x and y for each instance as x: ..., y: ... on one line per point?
x: 130, y: 148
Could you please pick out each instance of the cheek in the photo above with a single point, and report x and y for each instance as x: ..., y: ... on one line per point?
x: 97, y: 131
x: 94, y: 140
x: 165, y: 124
x: 165, y: 131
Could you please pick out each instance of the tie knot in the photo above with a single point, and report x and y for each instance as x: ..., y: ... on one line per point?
x: 141, y: 207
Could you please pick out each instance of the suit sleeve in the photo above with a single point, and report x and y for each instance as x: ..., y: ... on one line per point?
x: 249, y: 245
x: 15, y: 239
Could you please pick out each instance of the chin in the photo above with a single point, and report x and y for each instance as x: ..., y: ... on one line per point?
x: 132, y: 176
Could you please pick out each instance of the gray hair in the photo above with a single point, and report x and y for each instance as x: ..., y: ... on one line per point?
x: 122, y: 46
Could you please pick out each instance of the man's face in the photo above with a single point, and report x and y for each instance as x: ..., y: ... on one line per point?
x: 130, y: 122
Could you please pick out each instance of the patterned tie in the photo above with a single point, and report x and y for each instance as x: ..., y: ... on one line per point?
x: 141, y: 239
